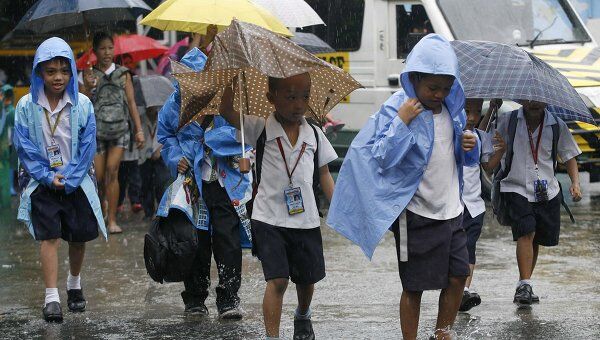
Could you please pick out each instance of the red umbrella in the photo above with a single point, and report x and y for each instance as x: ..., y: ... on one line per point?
x: 139, y: 47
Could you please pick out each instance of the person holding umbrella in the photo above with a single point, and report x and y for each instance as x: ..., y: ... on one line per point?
x: 111, y: 90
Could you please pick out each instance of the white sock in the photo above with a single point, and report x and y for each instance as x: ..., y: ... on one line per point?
x: 73, y: 282
x: 306, y: 316
x: 51, y: 296
x: 524, y: 282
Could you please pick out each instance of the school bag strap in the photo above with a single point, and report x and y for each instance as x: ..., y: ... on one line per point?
x: 499, y: 202
x: 555, y: 137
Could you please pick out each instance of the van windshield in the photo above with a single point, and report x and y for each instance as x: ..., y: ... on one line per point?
x: 521, y: 22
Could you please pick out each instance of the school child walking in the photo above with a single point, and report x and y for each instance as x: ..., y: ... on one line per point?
x: 285, y: 220
x: 55, y: 139
x: 409, y: 158
x: 491, y: 150
x: 7, y: 162
x: 530, y: 187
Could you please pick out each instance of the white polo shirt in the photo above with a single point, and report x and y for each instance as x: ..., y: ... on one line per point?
x: 269, y: 205
x: 62, y: 135
x: 472, y: 176
x: 522, y: 174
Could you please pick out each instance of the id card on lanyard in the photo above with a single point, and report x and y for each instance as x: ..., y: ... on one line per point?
x: 53, y: 150
x: 292, y: 195
x: 540, y: 186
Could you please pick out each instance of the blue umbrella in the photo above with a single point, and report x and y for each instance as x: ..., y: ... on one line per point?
x: 494, y: 70
x: 52, y: 15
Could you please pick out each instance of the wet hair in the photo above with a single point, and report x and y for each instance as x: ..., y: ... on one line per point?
x: 274, y: 84
x: 99, y: 37
x: 62, y: 60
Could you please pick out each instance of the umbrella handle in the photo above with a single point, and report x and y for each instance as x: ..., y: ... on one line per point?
x: 244, y: 162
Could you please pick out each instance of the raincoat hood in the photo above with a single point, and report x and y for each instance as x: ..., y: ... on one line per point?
x: 50, y: 49
x: 434, y: 55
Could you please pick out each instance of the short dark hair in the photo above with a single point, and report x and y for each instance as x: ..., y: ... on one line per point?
x: 99, y: 37
x: 63, y: 60
x: 418, y: 76
x: 273, y: 84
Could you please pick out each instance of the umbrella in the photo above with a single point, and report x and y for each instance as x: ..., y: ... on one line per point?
x: 171, y: 53
x: 52, y: 15
x: 153, y: 90
x: 196, y: 15
x: 494, y: 70
x: 311, y: 43
x: 293, y: 13
x: 139, y: 47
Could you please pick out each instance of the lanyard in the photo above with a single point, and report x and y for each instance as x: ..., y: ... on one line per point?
x: 534, y: 152
x: 50, y: 126
x: 285, y: 161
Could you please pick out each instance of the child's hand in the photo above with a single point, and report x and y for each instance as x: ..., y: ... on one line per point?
x: 469, y: 141
x: 575, y: 191
x: 183, y: 166
x: 499, y: 143
x: 140, y: 140
x: 89, y: 79
x: 57, y: 182
x: 409, y: 110
x: 155, y: 155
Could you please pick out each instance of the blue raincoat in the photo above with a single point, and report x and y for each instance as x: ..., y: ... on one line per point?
x: 386, y: 161
x: 28, y: 137
x: 187, y: 142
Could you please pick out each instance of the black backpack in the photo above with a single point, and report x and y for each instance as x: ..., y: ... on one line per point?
x: 170, y: 247
x: 500, y: 204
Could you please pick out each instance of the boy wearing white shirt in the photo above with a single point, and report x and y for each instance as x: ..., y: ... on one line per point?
x: 285, y: 219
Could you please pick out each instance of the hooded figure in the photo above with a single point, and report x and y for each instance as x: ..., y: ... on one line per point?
x: 28, y: 136
x: 386, y: 161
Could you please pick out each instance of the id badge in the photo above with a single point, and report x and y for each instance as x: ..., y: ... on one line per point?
x: 54, y: 156
x: 294, y: 201
x: 540, y: 190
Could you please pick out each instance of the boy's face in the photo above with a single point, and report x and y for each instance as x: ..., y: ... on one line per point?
x: 533, y: 108
x: 431, y: 90
x: 291, y: 97
x: 473, y: 110
x: 56, y: 74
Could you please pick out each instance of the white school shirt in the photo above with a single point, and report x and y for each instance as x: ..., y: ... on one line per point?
x: 62, y: 135
x: 472, y: 176
x: 269, y: 205
x: 522, y: 173
x: 208, y: 173
x: 438, y: 194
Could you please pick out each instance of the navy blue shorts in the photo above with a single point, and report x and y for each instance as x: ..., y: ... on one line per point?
x: 473, y: 226
x: 54, y: 215
x: 542, y: 218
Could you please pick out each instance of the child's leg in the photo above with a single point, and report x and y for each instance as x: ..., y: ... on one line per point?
x: 49, y: 259
x: 123, y: 180
x: 470, y: 278
x: 99, y: 168
x: 76, y: 255
x: 305, y: 294
x: 197, y: 283
x: 134, y: 189
x: 525, y: 256
x: 272, y: 303
x: 111, y: 180
x: 448, y: 303
x: 410, y: 307
x: 536, y: 250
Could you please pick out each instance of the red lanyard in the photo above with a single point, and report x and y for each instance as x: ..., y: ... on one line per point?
x: 287, y: 169
x: 534, y: 152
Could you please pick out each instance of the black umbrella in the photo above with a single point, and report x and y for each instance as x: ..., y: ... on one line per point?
x: 152, y: 90
x: 311, y: 43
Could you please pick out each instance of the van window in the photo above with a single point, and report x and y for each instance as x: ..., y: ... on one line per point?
x: 344, y: 20
x: 412, y: 24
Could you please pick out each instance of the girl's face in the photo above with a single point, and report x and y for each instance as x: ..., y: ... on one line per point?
x: 431, y: 90
x: 105, y: 52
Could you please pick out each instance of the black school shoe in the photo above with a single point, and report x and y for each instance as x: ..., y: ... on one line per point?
x: 52, y: 312
x: 231, y: 313
x: 535, y: 298
x: 303, y: 330
x: 75, y: 300
x: 523, y: 295
x: 469, y: 300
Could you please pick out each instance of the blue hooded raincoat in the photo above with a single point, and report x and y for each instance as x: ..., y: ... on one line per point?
x: 28, y: 137
x: 386, y: 161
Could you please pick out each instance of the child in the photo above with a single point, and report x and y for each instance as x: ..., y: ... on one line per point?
x: 474, y: 210
x: 7, y: 163
x: 410, y: 156
x: 285, y: 220
x: 55, y: 139
x: 531, y: 188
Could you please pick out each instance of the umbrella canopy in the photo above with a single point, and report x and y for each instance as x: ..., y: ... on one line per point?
x: 494, y: 70
x: 52, y: 15
x: 196, y: 15
x: 153, y: 90
x: 139, y: 47
x: 255, y: 54
x: 311, y: 43
x: 293, y: 13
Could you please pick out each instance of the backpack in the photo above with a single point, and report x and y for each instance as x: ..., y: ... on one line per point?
x: 500, y: 204
x: 170, y: 247
x: 110, y: 105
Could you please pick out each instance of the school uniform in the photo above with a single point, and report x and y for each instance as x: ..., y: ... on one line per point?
x: 474, y: 210
x: 392, y: 167
x: 543, y: 218
x: 130, y: 179
x: 288, y: 245
x: 62, y: 141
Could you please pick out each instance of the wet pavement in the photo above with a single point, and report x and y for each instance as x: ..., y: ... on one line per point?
x: 357, y: 300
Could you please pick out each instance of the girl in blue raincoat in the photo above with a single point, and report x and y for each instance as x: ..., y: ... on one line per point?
x: 409, y: 158
x: 55, y: 139
x: 207, y: 150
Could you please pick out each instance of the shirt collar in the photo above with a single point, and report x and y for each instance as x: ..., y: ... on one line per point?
x: 62, y: 103
x: 274, y: 130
